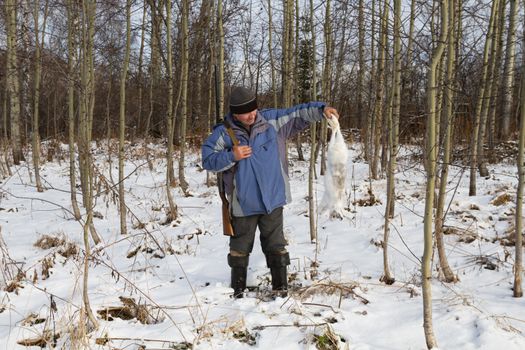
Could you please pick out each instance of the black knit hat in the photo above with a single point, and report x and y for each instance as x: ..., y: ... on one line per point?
x: 242, y: 100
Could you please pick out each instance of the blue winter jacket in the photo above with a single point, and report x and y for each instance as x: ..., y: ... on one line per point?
x: 258, y: 184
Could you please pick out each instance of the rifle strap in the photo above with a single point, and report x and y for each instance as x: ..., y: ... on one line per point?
x: 230, y: 132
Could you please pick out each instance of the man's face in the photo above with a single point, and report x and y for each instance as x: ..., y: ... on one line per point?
x: 247, y: 119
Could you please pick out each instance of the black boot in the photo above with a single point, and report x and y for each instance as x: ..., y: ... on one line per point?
x: 278, y: 267
x: 239, y: 266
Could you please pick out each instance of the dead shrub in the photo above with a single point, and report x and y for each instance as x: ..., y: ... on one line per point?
x: 68, y: 250
x: 47, y: 264
x: 65, y: 248
x: 464, y: 236
x: 509, y: 240
x: 368, y: 201
x: 47, y: 241
x: 16, y: 283
x: 344, y: 290
x: 129, y: 310
x: 46, y: 338
x: 501, y: 199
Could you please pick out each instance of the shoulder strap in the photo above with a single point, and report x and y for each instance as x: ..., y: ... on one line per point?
x: 230, y: 132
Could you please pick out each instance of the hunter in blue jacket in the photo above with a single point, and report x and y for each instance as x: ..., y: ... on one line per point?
x: 255, y: 175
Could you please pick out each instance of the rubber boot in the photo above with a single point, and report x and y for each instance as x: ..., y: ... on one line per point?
x: 239, y: 269
x: 278, y: 267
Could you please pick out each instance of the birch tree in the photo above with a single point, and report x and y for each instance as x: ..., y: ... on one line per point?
x: 431, y: 153
x: 489, y: 82
x: 518, y: 260
x: 313, y: 132
x: 508, y: 73
x: 370, y: 120
x: 495, y: 80
x: 155, y: 64
x: 12, y: 81
x: 393, y: 126
x: 270, y: 52
x: 449, y: 95
x: 36, y: 94
x: 287, y: 40
x: 478, y: 122
x: 361, y: 60
x: 172, y: 214
x: 326, y: 78
x: 86, y: 101
x: 140, y: 122
x: 122, y: 122
x: 72, y: 78
x: 220, y: 52
x: 377, y: 127
x: 184, y: 86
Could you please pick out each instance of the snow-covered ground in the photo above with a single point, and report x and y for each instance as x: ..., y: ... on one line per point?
x: 175, y: 279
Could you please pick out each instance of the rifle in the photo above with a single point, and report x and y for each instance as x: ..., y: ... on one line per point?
x: 227, y: 228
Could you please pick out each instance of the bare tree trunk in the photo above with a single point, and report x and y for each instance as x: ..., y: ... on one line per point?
x: 508, y: 74
x: 298, y: 140
x: 327, y: 78
x: 140, y: 122
x: 170, y: 122
x: 25, y: 68
x: 488, y: 89
x: 393, y: 122
x: 220, y: 63
x: 122, y: 122
x: 211, y: 62
x: 155, y: 62
x: 286, y: 76
x: 431, y: 180
x: 476, y: 132
x: 172, y: 214
x: 108, y: 125
x: 4, y: 107
x: 340, y: 63
x: 72, y: 26
x: 313, y: 132
x: 411, y: 34
x: 496, y: 81
x: 89, y: 9
x: 184, y: 113
x: 12, y: 81
x: 270, y: 51
x: 370, y: 123
x: 36, y: 98
x: 518, y: 260
x: 449, y: 119
x: 361, y: 59
x: 379, y: 100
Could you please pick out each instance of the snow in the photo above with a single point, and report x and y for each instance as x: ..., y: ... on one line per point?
x: 336, y: 292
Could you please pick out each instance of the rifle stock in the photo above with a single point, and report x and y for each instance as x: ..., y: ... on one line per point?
x: 227, y: 228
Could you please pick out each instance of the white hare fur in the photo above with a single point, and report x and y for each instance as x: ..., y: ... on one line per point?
x: 335, y: 177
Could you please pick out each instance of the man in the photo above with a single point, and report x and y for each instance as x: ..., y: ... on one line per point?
x: 255, y: 175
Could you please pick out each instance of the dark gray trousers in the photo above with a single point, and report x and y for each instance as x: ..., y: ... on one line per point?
x: 271, y: 233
